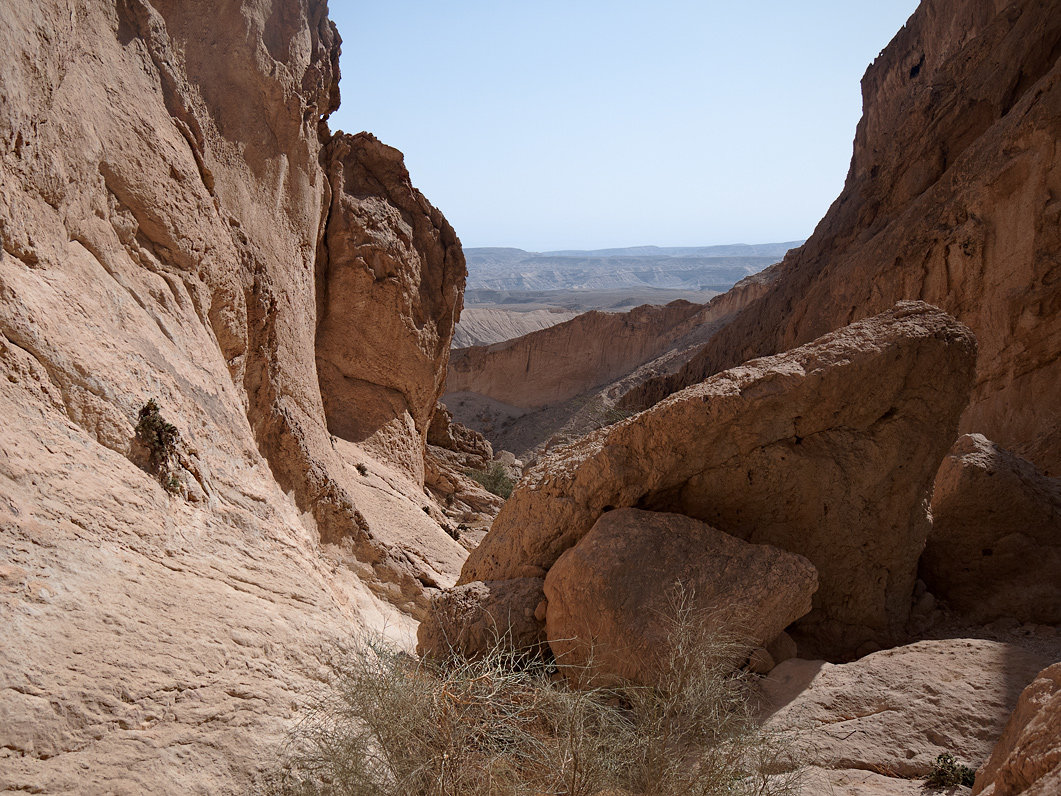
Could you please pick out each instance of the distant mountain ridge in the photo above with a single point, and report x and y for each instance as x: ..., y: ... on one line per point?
x: 674, y: 267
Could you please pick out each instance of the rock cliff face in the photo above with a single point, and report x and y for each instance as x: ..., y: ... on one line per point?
x: 952, y: 198
x: 828, y: 451
x: 551, y: 365
x: 554, y: 385
x: 178, y: 224
x: 593, y: 349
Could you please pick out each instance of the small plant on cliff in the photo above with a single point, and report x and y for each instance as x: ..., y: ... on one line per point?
x: 486, y: 727
x: 161, y: 439
x: 947, y: 771
x: 494, y: 478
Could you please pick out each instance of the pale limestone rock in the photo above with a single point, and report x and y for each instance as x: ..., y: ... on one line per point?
x: 162, y: 209
x: 827, y: 451
x: 894, y: 711
x: 1027, y: 758
x: 611, y: 599
x: 994, y: 550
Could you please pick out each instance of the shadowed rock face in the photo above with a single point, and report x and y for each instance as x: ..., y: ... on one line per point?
x: 952, y: 198
x: 995, y: 546
x: 165, y: 223
x: 828, y: 451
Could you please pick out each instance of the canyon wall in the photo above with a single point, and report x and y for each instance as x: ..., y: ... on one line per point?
x: 179, y: 225
x: 953, y: 197
x: 593, y: 349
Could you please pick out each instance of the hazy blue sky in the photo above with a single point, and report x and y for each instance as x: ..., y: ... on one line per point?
x: 588, y: 124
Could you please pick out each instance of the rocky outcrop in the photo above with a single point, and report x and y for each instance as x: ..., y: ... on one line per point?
x: 390, y: 274
x: 551, y: 387
x: 827, y: 451
x: 995, y: 546
x: 894, y: 711
x: 554, y: 364
x: 169, y: 233
x: 951, y: 198
x: 479, y: 618
x: 613, y: 599
x: 1027, y: 758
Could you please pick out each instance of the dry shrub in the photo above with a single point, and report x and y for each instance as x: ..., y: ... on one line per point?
x: 503, y: 725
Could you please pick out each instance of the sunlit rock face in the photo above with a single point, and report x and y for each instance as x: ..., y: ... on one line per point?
x: 165, y: 219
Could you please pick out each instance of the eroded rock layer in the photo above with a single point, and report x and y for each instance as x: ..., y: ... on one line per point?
x: 952, y: 198
x: 168, y: 233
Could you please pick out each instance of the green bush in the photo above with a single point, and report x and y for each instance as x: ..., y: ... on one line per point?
x: 494, y: 478
x: 947, y: 771
x: 395, y: 725
x: 161, y: 439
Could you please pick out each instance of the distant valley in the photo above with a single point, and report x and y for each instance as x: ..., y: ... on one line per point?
x: 511, y: 292
x: 697, y: 268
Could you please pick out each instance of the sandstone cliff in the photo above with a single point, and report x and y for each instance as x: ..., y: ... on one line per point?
x: 952, y: 198
x: 178, y: 224
x: 555, y: 385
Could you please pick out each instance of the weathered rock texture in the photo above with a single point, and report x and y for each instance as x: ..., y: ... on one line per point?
x: 995, y: 546
x: 557, y: 363
x: 827, y: 451
x: 168, y: 231
x: 1027, y: 758
x: 389, y: 277
x: 952, y: 198
x: 478, y: 617
x: 894, y: 711
x: 615, y: 597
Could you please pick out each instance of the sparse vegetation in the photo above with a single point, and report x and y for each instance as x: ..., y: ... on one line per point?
x: 161, y: 439
x: 362, y: 468
x: 494, y: 478
x: 501, y: 725
x: 947, y: 771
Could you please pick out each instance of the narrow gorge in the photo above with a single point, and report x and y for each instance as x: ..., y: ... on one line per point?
x: 235, y: 440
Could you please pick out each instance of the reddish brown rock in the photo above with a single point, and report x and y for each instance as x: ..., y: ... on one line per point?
x: 551, y: 387
x: 995, y: 546
x: 951, y: 198
x: 1026, y: 761
x: 827, y: 450
x: 611, y: 597
x: 476, y: 618
x: 392, y: 273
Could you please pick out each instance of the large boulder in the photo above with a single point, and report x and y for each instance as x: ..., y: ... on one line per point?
x: 613, y: 597
x: 828, y: 451
x: 1027, y: 758
x: 478, y: 618
x: 895, y: 711
x: 995, y: 546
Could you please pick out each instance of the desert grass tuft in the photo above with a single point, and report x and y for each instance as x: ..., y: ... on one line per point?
x: 508, y: 725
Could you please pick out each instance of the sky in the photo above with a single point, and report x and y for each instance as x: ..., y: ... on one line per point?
x: 591, y: 123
